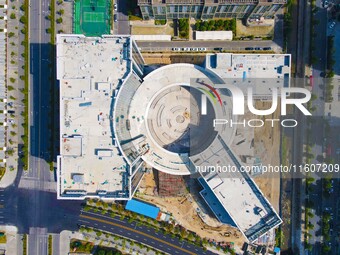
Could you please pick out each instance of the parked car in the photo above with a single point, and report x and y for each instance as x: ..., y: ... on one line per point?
x: 194, y: 49
x: 115, y: 18
x: 325, y: 4
x: 267, y: 48
x: 202, y: 49
x: 332, y: 25
x: 258, y: 48
x: 176, y: 49
x: 11, y: 112
x: 249, y: 48
x: 115, y: 7
x: 219, y: 49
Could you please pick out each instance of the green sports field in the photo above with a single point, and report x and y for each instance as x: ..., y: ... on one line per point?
x: 91, y: 17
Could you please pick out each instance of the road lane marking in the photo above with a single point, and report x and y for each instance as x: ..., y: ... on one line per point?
x: 138, y: 232
x: 104, y: 216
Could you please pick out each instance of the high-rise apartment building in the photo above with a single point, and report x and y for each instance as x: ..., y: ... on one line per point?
x: 209, y: 9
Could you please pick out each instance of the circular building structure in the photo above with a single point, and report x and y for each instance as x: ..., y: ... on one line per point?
x: 160, y: 119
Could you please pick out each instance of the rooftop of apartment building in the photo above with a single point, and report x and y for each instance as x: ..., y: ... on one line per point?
x: 206, y: 2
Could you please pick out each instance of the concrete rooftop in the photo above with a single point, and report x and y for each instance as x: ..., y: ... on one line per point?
x: 89, y: 71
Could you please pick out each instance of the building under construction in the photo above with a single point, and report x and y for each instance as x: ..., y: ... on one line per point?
x: 169, y: 185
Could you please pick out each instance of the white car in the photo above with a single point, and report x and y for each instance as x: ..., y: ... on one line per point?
x: 325, y: 4
x: 332, y: 25
x: 193, y: 49
x: 115, y: 7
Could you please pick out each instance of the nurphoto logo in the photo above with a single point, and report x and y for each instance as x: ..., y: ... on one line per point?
x: 238, y: 105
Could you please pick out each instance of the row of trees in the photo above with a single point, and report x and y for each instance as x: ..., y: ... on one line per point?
x: 330, y: 73
x: 124, y: 242
x: 309, y: 180
x: 25, y: 55
x: 287, y: 27
x: 106, y: 251
x: 115, y: 209
x: 216, y: 25
x: 326, y: 217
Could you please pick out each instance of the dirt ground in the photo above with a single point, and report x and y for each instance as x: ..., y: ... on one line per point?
x: 149, y: 29
x: 267, y: 147
x: 262, y: 31
x: 183, y: 209
x: 165, y: 59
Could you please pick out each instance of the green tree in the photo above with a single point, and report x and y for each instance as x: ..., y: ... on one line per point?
x: 10, y: 152
x: 23, y: 19
x: 59, y: 20
x: 10, y: 88
x: 101, y: 252
x: 183, y: 25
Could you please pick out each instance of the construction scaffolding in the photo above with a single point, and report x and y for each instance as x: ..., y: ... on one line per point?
x: 169, y: 185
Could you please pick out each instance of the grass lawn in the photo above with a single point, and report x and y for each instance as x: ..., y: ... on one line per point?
x: 153, y: 30
x: 2, y: 172
x: 261, y: 31
x: 81, y: 246
x: 3, y: 238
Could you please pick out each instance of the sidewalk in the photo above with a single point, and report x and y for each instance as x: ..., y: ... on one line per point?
x: 12, y: 236
x: 65, y: 238
x: 8, y: 178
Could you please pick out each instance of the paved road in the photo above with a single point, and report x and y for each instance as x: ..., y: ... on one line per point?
x: 39, y: 89
x: 298, y: 137
x: 320, y: 53
x: 142, y: 234
x: 57, y: 215
x: 39, y: 93
x: 317, y: 129
x: 37, y: 241
x: 226, y: 45
x: 56, y: 244
x: 21, y: 207
x: 40, y: 86
x: 122, y: 26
